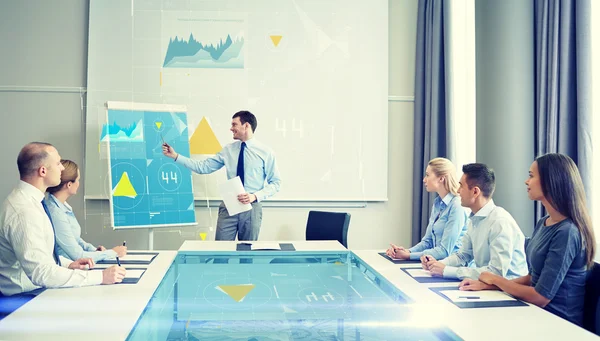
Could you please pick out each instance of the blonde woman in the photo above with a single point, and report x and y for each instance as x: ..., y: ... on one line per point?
x: 67, y: 230
x: 448, y: 220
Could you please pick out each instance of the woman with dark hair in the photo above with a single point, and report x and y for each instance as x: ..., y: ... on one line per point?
x: 562, y: 246
x: 66, y: 228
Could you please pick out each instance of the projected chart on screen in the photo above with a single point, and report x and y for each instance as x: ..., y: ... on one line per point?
x: 202, y: 40
x: 146, y: 188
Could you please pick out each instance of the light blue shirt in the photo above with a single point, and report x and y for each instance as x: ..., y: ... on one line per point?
x: 494, y: 242
x: 261, y: 176
x: 447, y: 225
x: 68, y: 233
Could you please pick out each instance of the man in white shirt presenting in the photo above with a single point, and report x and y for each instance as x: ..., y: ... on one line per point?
x: 494, y: 241
x: 28, y: 260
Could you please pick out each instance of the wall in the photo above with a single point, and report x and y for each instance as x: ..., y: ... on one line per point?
x: 47, y: 47
x: 42, y: 70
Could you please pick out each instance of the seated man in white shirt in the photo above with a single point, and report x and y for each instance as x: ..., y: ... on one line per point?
x: 28, y: 258
x: 494, y: 241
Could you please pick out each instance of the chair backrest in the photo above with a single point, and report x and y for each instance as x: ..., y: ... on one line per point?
x: 591, y: 309
x: 328, y: 226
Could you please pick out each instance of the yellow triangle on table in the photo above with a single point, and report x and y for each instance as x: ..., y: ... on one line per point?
x: 158, y: 124
x: 124, y: 187
x: 203, y: 235
x: 276, y: 39
x: 204, y: 140
x: 237, y: 292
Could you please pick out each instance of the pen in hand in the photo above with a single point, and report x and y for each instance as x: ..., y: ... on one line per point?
x: 426, y: 264
x: 118, y: 261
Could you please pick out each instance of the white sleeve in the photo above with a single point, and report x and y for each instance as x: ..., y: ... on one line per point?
x: 36, y: 257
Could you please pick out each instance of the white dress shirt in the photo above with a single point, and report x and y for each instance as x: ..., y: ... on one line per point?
x: 27, y: 245
x: 261, y: 175
x: 494, y: 241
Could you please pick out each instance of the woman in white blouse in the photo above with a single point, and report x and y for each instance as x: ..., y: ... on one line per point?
x: 67, y: 229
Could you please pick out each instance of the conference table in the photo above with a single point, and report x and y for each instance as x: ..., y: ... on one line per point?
x: 308, y: 290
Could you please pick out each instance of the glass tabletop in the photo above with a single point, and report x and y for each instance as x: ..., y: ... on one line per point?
x: 279, y: 296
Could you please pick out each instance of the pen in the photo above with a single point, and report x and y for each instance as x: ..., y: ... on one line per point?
x: 118, y: 262
x: 470, y: 297
x: 124, y: 243
x: 427, y: 258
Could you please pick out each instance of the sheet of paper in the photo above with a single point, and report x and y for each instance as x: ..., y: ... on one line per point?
x: 130, y: 273
x: 265, y: 246
x: 145, y: 258
x: 477, y: 296
x: 418, y: 273
x: 102, y: 266
x: 229, y: 191
x: 108, y: 265
x: 134, y: 273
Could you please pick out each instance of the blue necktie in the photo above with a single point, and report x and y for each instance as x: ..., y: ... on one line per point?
x: 54, y: 252
x: 240, y: 165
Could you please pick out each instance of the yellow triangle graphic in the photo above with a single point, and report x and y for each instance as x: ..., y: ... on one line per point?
x: 203, y: 235
x: 124, y: 188
x: 158, y: 124
x: 203, y: 140
x: 276, y: 40
x: 237, y: 292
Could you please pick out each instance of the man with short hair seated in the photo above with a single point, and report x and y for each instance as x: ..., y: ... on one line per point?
x: 494, y: 241
x: 28, y: 258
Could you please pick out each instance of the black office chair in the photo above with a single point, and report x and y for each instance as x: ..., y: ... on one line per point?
x: 328, y: 226
x: 322, y: 226
x: 591, y: 309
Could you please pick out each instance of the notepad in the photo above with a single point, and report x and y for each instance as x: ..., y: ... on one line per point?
x: 102, y: 266
x: 132, y: 276
x: 126, y: 266
x: 140, y: 258
x: 423, y: 276
x: 418, y: 273
x: 265, y: 246
x: 477, y: 296
x: 399, y: 261
x: 134, y: 273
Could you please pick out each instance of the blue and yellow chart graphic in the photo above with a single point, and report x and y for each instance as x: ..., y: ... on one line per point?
x: 147, y: 189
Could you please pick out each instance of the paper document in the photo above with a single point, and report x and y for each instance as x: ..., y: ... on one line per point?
x: 108, y: 265
x: 103, y: 265
x: 134, y: 273
x: 265, y: 246
x: 145, y: 258
x: 419, y: 273
x: 229, y: 191
x: 477, y: 296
